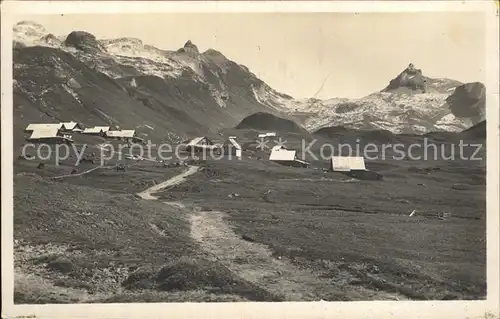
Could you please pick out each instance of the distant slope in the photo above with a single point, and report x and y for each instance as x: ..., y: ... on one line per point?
x: 266, y: 121
x: 349, y: 135
x: 478, y: 131
x: 363, y: 137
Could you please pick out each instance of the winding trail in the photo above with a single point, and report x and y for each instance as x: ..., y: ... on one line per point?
x: 146, y: 194
x: 85, y: 172
x: 254, y: 262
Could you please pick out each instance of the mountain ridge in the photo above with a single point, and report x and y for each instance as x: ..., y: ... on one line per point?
x: 193, y: 91
x: 411, y: 104
x: 181, y: 92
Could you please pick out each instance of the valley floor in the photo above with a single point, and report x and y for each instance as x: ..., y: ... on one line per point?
x: 234, y: 230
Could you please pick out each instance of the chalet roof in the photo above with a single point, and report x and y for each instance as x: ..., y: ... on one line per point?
x: 347, y: 163
x: 103, y: 128
x: 282, y: 155
x: 45, y: 132
x: 122, y: 133
x: 268, y: 134
x: 38, y: 126
x: 234, y: 144
x: 195, y: 141
x: 277, y: 148
x: 69, y: 125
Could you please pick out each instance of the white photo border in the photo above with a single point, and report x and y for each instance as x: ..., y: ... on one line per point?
x: 488, y: 308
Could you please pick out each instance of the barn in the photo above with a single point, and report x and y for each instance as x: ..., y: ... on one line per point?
x: 285, y: 157
x: 93, y: 131
x: 123, y: 135
x: 96, y: 130
x: 43, y: 126
x: 104, y: 129
x: 200, y: 144
x: 353, y: 166
x: 49, y: 135
x: 347, y: 163
x: 267, y: 134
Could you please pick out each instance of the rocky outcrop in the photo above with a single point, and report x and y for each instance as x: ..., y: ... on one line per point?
x: 190, y: 49
x: 269, y: 122
x: 469, y: 101
x: 84, y: 41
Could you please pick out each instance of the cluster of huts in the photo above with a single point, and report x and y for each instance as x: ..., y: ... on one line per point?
x: 61, y: 132
x: 353, y: 166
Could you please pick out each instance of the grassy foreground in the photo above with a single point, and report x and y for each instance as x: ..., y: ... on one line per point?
x: 90, y: 239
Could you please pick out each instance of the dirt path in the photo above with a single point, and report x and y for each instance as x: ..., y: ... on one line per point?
x: 171, y: 182
x: 85, y: 172
x: 254, y: 262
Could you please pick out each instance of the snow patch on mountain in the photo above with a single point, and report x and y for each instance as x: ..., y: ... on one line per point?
x: 218, y: 97
x: 396, y: 112
x: 127, y: 47
x: 267, y: 96
x: 72, y: 92
x: 31, y: 34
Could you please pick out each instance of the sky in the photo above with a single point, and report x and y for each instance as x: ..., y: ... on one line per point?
x: 322, y: 55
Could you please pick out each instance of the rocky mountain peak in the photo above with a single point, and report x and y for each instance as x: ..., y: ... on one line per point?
x: 411, y: 70
x: 83, y: 41
x: 189, y: 47
x: 410, y: 79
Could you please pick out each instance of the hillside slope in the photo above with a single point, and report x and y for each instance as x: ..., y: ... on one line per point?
x: 165, y: 95
x: 266, y: 121
x: 478, y: 131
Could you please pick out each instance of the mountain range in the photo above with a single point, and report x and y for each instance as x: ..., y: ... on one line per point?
x: 169, y: 95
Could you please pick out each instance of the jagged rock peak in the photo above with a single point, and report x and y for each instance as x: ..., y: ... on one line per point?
x: 84, y: 41
x: 190, y: 47
x: 411, y: 78
x: 411, y: 70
